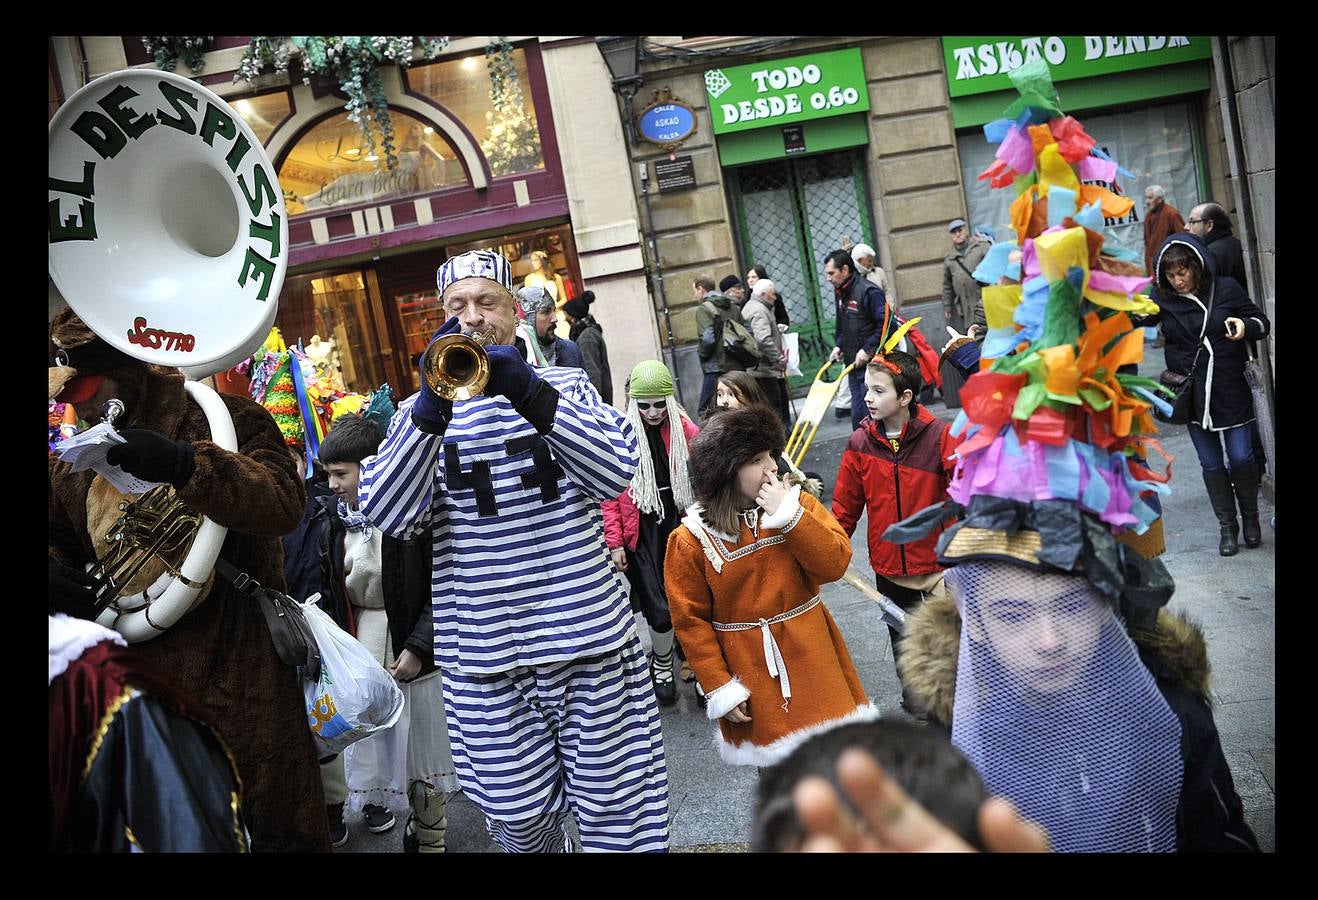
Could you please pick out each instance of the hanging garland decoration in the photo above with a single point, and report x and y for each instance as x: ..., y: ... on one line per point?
x: 354, y: 62
x: 167, y: 51
x: 512, y: 142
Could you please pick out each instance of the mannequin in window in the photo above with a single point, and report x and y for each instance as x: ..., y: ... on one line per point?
x: 323, y: 354
x: 543, y: 275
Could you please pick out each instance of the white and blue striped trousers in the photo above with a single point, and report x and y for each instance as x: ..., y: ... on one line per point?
x: 530, y: 741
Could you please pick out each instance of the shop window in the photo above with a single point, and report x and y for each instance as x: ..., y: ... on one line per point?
x: 421, y: 314
x: 331, y: 165
x: 544, y: 257
x: 334, y: 309
x: 509, y: 136
x: 263, y: 113
x: 1156, y: 144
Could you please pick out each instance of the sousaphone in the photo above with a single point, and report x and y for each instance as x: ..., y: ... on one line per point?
x: 169, y: 238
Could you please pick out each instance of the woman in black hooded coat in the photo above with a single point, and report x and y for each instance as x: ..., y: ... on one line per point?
x: 1207, y: 321
x: 586, y: 332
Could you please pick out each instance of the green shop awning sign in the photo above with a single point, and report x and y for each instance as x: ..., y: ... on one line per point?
x: 787, y: 91
x: 977, y: 65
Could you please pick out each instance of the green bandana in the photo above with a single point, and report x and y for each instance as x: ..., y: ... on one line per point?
x: 650, y: 378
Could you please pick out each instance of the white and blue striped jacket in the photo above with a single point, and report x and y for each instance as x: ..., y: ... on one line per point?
x: 522, y: 576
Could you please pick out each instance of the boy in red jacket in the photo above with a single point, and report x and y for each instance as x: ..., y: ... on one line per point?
x: 896, y: 463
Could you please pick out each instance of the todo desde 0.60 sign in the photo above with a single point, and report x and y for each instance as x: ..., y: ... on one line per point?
x: 786, y: 91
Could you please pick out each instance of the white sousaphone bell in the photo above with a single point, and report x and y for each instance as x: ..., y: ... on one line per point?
x: 169, y: 238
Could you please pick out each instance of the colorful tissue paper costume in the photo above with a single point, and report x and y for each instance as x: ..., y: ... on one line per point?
x: 303, y: 397
x: 1031, y: 660
x: 1050, y: 417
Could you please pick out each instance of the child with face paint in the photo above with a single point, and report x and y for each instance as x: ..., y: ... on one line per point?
x: 637, y: 524
x: 743, y: 575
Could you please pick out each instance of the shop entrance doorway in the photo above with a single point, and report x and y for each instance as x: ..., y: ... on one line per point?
x: 790, y: 214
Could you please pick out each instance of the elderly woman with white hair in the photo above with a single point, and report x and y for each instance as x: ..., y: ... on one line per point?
x: 772, y: 367
x: 867, y: 264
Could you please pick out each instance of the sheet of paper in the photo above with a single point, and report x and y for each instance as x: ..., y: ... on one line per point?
x: 87, y: 450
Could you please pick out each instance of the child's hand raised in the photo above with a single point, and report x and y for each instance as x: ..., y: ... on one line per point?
x: 771, y: 495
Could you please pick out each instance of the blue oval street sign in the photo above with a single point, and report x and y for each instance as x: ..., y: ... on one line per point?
x: 667, y: 123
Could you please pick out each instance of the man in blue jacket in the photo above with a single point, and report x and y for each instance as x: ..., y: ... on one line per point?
x: 538, y: 306
x: 861, y: 324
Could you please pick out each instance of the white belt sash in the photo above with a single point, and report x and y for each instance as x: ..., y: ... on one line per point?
x: 773, y: 657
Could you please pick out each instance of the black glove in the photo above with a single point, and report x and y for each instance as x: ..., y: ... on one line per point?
x: 154, y: 457
x: 431, y: 412
x: 532, y: 396
x: 511, y: 375
x: 70, y: 591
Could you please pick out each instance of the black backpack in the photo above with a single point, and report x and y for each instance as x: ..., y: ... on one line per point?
x: 735, y: 339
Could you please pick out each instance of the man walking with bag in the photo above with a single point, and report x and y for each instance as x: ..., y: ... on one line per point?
x: 862, y: 324
x: 714, y: 312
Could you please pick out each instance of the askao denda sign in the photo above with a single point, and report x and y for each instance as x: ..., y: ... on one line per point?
x: 786, y: 91
x: 977, y: 65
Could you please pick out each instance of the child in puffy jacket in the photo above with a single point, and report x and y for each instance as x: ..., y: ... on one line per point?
x: 897, y: 462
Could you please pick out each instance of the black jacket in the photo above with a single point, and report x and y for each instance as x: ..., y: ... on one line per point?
x: 1227, y: 253
x: 1211, y: 816
x: 302, y: 546
x: 406, y: 569
x: 589, y: 337
x: 1221, y: 396
x: 861, y: 309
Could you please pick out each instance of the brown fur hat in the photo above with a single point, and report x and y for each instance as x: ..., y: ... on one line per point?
x: 728, y: 441
x: 83, y: 350
x: 73, y: 346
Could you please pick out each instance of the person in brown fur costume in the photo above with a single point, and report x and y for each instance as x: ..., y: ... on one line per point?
x: 221, y: 652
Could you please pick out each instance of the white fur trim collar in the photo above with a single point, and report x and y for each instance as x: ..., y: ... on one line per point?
x: 695, y: 523
x: 695, y: 519
x: 748, y: 754
x: 724, y: 700
x: 71, y: 638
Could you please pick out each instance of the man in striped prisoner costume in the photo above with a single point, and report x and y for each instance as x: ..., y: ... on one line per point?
x: 546, y: 687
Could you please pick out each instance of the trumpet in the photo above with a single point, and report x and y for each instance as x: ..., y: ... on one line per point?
x: 456, y: 367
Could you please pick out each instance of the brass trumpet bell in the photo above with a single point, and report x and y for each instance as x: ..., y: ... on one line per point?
x: 456, y: 367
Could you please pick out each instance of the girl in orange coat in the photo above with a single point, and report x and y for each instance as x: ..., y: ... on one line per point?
x: 743, y: 572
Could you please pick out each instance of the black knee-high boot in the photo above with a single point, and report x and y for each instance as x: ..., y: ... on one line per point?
x: 1246, y: 482
x: 1223, y: 497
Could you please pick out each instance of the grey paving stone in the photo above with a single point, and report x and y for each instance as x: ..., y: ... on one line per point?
x: 1247, y: 725
x: 1263, y: 823
x: 1251, y: 784
x: 1267, y: 763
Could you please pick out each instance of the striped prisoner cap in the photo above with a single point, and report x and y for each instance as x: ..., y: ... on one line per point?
x: 475, y: 264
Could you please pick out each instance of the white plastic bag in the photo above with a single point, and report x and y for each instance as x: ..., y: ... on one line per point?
x: 355, y: 696
x: 792, y: 344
